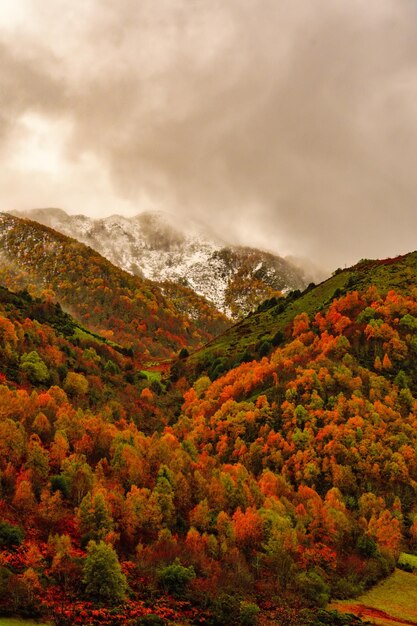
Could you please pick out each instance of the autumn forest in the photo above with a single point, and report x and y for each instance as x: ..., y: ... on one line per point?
x: 159, y: 465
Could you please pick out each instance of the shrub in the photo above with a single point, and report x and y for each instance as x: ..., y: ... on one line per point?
x: 156, y: 387
x: 10, y: 535
x: 406, y: 567
x: 366, y: 546
x: 248, y: 613
x: 265, y: 348
x: 278, y: 338
x: 224, y: 610
x: 313, y: 588
x: 245, y: 357
x: 175, y: 577
x: 407, y: 562
x: 343, y: 588
x: 375, y: 569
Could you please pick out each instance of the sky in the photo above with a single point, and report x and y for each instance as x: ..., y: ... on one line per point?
x: 285, y: 124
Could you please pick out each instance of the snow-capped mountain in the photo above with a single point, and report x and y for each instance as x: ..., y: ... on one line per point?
x: 152, y: 245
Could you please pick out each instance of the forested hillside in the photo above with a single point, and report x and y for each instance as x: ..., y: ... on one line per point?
x: 270, y: 325
x: 121, y: 307
x: 253, y: 495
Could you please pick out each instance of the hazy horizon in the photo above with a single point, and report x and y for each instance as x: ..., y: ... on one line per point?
x: 287, y: 125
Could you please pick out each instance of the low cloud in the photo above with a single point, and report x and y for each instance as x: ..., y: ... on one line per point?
x: 288, y: 125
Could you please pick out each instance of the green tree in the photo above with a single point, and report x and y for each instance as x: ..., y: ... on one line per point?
x: 165, y: 494
x: 175, y: 577
x: 102, y: 575
x: 33, y: 366
x: 183, y: 353
x: 78, y: 476
x: 10, y: 536
x: 265, y: 348
x: 111, y: 367
x: 94, y: 518
x: 313, y: 588
x: 37, y: 462
x: 75, y: 384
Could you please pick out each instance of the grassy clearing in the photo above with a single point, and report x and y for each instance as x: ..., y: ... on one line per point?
x: 151, y: 376
x: 392, y: 602
x: 85, y: 335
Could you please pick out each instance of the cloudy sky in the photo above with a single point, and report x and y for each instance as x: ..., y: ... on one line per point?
x: 287, y: 124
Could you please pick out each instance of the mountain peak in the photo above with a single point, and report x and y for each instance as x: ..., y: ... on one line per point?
x: 156, y: 245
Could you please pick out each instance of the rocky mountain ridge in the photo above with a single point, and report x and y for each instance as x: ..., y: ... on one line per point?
x: 152, y: 245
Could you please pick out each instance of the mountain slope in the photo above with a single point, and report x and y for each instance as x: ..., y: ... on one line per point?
x: 128, y: 309
x: 44, y: 351
x: 270, y: 325
x: 330, y: 416
x: 154, y: 245
x: 284, y: 482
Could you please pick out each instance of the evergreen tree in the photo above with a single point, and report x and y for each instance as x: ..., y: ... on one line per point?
x: 102, y: 574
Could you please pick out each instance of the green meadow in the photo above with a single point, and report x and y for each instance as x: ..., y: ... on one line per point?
x: 391, y: 603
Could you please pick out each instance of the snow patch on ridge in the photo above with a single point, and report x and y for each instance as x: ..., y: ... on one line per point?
x: 154, y: 246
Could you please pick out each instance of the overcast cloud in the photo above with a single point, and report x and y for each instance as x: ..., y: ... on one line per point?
x: 287, y: 124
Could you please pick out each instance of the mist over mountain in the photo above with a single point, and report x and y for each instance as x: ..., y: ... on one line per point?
x: 155, y: 245
x: 130, y: 310
x: 290, y: 126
